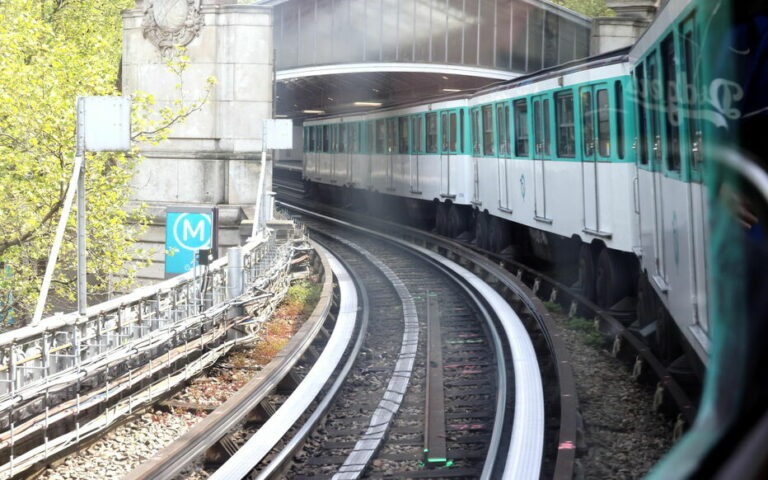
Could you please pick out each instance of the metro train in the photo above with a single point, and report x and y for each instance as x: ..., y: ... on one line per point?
x: 642, y: 168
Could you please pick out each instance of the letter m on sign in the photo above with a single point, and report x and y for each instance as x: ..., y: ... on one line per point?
x: 197, y: 232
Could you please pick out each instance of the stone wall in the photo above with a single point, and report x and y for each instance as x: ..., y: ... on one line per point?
x: 213, y: 158
x: 632, y: 19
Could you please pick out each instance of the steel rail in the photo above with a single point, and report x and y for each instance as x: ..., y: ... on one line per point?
x: 524, y: 456
x: 298, y: 439
x: 274, y: 429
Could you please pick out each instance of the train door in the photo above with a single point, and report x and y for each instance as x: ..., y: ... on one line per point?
x: 654, y: 83
x: 477, y: 139
x: 542, y: 152
x: 417, y: 149
x: 403, y: 151
x: 370, y: 148
x: 353, y: 149
x: 445, y: 155
x: 391, y: 153
x: 691, y: 128
x: 504, y: 156
x: 341, y: 164
x: 436, y: 177
x: 596, y: 145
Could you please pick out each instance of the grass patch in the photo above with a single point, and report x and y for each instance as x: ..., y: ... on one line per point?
x: 554, y: 307
x: 588, y: 330
x: 299, y: 302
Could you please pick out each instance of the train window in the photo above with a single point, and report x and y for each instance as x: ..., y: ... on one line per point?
x: 403, y: 130
x: 642, y: 128
x: 619, y: 113
x: 417, y: 124
x: 651, y: 99
x: 566, y: 139
x: 381, y: 136
x: 521, y: 128
x: 672, y: 118
x: 456, y: 143
x: 476, y: 131
x: 458, y: 134
x: 603, y: 124
x: 353, y: 137
x: 370, y: 136
x: 587, y: 124
x: 326, y: 138
x: 450, y: 132
x: 432, y: 133
x: 391, y: 135
x: 690, y: 54
x: 502, y: 126
x: 541, y: 126
x: 341, y: 140
x: 489, y: 142
x: 310, y: 139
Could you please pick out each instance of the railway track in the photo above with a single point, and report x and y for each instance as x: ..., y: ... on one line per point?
x: 431, y: 391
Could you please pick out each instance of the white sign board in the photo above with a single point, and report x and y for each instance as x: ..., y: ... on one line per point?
x: 104, y: 123
x: 278, y: 134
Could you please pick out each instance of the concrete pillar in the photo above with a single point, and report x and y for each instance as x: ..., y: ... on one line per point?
x: 213, y: 157
x: 632, y: 19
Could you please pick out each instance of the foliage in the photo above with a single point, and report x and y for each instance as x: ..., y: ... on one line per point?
x: 51, y: 52
x: 590, y: 334
x: 304, y: 295
x: 300, y: 300
x: 591, y: 8
x: 554, y: 307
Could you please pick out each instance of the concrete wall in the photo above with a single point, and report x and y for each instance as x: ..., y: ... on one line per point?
x: 213, y: 158
x: 632, y: 19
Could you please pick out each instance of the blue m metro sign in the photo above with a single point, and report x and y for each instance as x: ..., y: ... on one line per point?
x: 186, y: 232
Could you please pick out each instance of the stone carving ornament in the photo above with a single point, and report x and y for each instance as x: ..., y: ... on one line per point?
x: 171, y: 23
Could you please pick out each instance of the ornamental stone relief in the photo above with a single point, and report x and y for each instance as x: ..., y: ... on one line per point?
x: 171, y: 23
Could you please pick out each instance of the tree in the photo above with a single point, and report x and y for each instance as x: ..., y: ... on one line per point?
x: 52, y: 51
x: 591, y: 8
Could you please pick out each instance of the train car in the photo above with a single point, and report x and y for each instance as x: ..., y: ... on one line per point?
x: 553, y: 156
x: 415, y: 153
x: 541, y: 166
x: 700, y: 72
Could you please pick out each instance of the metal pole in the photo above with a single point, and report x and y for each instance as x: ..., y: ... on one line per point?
x: 82, y: 299
x: 260, y: 192
x: 234, y: 272
x: 80, y: 152
x: 67, y: 207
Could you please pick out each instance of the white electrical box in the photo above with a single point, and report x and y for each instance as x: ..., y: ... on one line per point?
x: 278, y: 134
x: 104, y: 123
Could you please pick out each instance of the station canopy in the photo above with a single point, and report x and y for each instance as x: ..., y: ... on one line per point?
x: 341, y: 56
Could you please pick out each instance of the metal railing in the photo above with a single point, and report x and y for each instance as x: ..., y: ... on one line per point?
x: 59, y: 345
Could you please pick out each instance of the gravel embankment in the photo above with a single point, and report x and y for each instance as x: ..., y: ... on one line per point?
x: 624, y: 437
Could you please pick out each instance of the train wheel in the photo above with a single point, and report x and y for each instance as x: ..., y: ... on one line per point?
x: 458, y: 221
x: 586, y: 280
x: 645, y: 302
x: 499, y: 236
x: 481, y: 230
x: 612, y: 280
x: 441, y: 219
x: 666, y: 334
